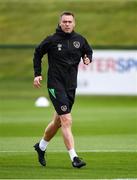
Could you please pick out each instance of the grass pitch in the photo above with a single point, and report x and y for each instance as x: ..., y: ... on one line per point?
x: 104, y: 128
x: 99, y: 165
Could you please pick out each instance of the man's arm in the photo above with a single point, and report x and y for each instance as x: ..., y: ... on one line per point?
x: 40, y: 50
x: 87, y: 53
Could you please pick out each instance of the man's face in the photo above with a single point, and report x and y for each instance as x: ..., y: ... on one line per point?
x: 67, y: 23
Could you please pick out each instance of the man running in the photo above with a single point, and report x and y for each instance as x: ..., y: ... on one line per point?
x: 65, y: 48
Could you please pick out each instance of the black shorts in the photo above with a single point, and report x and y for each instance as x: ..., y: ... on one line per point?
x: 62, y: 100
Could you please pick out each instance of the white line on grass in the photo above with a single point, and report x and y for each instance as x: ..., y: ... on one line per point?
x: 84, y: 179
x: 85, y: 151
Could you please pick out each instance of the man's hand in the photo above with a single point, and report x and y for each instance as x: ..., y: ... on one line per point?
x: 36, y: 82
x: 86, y: 60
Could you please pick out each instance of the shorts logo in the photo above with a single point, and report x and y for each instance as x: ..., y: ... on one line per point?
x: 64, y: 108
x: 59, y: 46
x: 76, y: 44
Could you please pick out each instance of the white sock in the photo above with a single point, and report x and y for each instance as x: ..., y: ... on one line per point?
x: 43, y: 144
x: 72, y: 154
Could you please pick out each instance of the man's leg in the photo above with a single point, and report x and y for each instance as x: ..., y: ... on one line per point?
x: 52, y: 127
x: 66, y: 123
x: 49, y: 133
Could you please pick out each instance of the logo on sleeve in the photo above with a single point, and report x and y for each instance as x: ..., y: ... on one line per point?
x: 76, y: 44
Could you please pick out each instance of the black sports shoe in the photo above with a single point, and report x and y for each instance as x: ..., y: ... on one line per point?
x: 78, y: 163
x: 41, y: 154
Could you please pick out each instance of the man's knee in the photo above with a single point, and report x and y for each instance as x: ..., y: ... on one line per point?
x: 66, y: 120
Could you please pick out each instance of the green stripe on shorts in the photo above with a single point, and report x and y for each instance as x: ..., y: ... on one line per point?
x: 52, y: 91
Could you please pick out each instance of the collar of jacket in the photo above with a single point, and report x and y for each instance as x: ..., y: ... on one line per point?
x: 62, y: 33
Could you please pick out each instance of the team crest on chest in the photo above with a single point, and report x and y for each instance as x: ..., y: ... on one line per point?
x: 59, y: 46
x: 76, y: 44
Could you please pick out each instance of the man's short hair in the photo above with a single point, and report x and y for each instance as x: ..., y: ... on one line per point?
x: 67, y: 13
